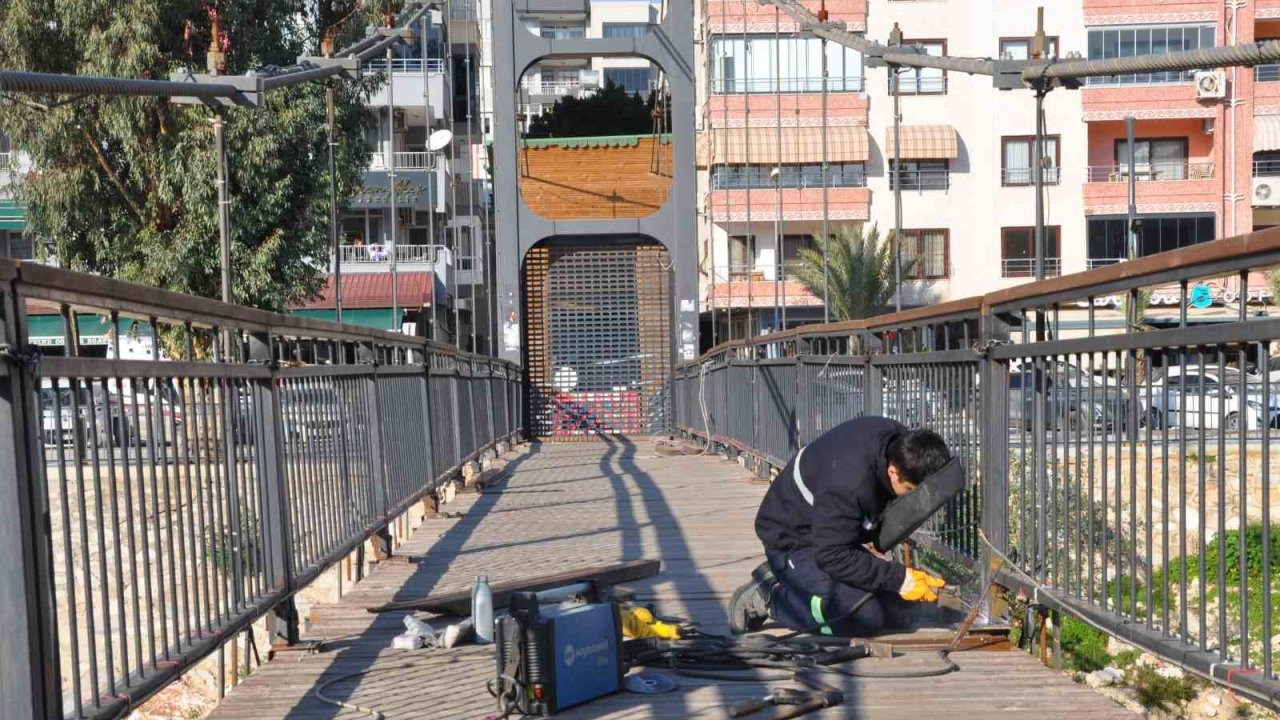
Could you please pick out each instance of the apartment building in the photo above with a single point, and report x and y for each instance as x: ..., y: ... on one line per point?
x: 1206, y: 151
x: 427, y: 128
x: 551, y: 79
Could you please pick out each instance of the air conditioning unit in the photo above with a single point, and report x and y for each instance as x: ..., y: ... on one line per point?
x: 1266, y: 192
x: 1211, y: 85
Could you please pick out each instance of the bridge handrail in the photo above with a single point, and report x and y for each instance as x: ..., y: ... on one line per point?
x: 154, y: 507
x: 1040, y: 398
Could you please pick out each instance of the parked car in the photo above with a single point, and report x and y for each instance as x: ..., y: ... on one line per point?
x: 309, y: 413
x: 1075, y: 397
x: 1207, y: 398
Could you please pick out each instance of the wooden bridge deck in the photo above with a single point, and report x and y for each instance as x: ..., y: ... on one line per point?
x: 575, y: 505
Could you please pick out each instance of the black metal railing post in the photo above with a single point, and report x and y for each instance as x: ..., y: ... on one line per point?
x: 993, y: 421
x: 29, y: 657
x: 277, y: 525
x: 382, y: 546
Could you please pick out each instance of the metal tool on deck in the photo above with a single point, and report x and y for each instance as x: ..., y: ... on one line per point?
x: 798, y: 702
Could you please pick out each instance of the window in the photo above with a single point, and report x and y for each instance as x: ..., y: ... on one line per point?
x: 925, y: 254
x: 1137, y: 40
x: 624, y: 30
x: 1018, y: 252
x: 1016, y: 168
x: 1019, y: 48
x: 1154, y: 159
x: 1265, y: 164
x: 761, y: 64
x: 17, y: 246
x: 633, y: 80
x: 792, y: 246
x: 6, y: 151
x: 922, y: 175
x: 741, y: 177
x: 562, y: 32
x: 923, y: 81
x: 742, y: 255
x: 1108, y: 244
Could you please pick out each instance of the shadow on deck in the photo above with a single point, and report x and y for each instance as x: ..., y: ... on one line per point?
x: 575, y: 505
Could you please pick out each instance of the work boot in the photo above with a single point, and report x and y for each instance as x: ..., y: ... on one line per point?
x: 749, y: 607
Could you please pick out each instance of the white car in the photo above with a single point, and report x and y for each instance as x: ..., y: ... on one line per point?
x: 1206, y: 398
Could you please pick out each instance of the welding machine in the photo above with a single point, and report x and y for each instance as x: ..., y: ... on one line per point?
x: 554, y: 654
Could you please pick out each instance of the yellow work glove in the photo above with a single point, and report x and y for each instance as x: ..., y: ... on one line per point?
x: 920, y: 586
x: 640, y: 623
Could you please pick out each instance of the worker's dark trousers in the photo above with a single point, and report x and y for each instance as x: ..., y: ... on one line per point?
x: 809, y: 600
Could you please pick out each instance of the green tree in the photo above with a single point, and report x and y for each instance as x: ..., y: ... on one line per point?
x: 611, y: 111
x: 860, y: 271
x: 125, y: 186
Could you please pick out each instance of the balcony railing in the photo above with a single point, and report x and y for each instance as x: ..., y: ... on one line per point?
x: 1094, y: 263
x: 1266, y: 73
x: 1013, y: 177
x: 381, y: 254
x: 929, y: 85
x: 407, y: 66
x: 6, y: 160
x: 1266, y: 168
x: 418, y: 160
x: 931, y: 179
x: 729, y: 86
x: 1026, y: 267
x: 1153, y: 172
x: 726, y: 180
x: 567, y: 86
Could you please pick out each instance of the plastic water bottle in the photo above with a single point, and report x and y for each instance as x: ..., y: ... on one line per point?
x: 482, y: 610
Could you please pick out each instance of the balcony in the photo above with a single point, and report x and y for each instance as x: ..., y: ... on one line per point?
x: 406, y: 66
x: 1016, y: 177
x: 1159, y: 185
x: 404, y: 254
x: 928, y: 85
x: 421, y: 161
x: 1171, y: 98
x: 733, y: 15
x: 1026, y: 267
x: 1152, y: 172
x: 582, y: 84
x: 552, y: 7
x: 730, y: 86
x: 844, y: 203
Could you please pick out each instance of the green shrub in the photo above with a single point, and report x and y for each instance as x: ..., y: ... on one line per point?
x: 1156, y: 692
x: 1086, y: 648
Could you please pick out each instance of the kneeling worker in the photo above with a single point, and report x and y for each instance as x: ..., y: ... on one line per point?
x: 817, y: 521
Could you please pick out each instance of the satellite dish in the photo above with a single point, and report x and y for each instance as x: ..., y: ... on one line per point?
x: 439, y: 140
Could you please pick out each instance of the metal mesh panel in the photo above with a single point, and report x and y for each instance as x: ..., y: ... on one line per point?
x: 599, y: 339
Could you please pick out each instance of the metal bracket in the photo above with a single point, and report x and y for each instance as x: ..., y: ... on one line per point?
x: 984, y: 348
x: 25, y: 358
x: 350, y: 65
x: 250, y: 87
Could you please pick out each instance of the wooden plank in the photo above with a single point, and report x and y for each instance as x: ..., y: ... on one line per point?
x: 459, y: 601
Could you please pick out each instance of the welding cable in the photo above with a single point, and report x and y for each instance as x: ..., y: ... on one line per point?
x: 372, y: 712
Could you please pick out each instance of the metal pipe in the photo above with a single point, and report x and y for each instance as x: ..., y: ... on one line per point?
x: 14, y: 81
x: 224, y: 214
x: 779, y: 310
x: 1131, y: 229
x: 826, y: 192
x: 333, y: 204
x: 1259, y: 53
x: 1037, y: 175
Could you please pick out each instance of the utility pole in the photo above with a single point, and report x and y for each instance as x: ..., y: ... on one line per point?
x: 330, y: 118
x: 217, y: 65
x: 391, y: 177
x: 895, y: 39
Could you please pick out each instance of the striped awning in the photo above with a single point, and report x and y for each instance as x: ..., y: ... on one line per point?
x: 924, y: 142
x: 1266, y: 133
x: 799, y: 145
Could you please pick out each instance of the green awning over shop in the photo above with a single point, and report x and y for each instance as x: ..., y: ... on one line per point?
x: 94, y: 329
x: 13, y: 215
x: 376, y: 318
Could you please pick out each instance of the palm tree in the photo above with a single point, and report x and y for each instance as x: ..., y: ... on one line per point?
x: 859, y: 271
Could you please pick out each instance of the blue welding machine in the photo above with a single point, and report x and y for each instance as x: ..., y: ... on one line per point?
x: 555, y: 656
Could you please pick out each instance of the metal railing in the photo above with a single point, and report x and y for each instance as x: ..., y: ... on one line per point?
x: 573, y: 86
x: 1026, y: 267
x: 1266, y: 168
x: 1152, y: 172
x: 835, y: 83
x: 920, y: 180
x: 1095, y: 263
x: 381, y: 254
x: 166, y: 504
x: 927, y: 85
x: 1017, y: 176
x: 406, y: 66
x: 1266, y: 73
x: 1122, y: 476
x: 7, y: 160
x: 412, y: 160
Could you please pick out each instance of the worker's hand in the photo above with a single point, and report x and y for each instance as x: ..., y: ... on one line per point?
x: 920, y: 586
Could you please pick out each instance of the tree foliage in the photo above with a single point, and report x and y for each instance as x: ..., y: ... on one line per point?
x: 860, y: 271
x: 126, y: 186
x: 611, y: 111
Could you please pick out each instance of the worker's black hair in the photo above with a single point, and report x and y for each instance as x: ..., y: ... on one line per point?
x: 918, y: 454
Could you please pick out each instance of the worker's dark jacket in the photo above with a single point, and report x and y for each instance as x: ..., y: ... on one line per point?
x: 830, y: 497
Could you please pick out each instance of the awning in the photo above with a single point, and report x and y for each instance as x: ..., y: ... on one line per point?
x: 803, y: 145
x: 369, y: 290
x: 378, y: 319
x: 1266, y: 133
x: 13, y: 216
x: 924, y: 142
